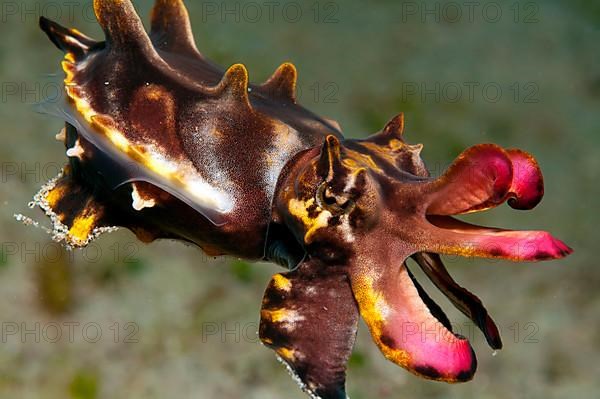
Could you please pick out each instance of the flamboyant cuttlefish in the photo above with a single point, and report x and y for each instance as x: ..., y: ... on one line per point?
x: 162, y: 141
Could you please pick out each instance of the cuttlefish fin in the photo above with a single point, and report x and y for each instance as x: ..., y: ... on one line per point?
x: 77, y: 216
x: 309, y: 318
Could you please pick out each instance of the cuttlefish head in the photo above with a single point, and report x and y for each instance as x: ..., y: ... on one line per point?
x: 361, y: 209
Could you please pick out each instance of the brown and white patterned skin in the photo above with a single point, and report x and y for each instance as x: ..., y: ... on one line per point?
x: 204, y: 136
x: 162, y: 141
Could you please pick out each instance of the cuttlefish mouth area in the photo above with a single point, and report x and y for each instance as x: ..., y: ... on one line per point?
x: 408, y: 326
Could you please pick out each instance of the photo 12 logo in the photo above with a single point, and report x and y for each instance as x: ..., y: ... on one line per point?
x: 53, y: 252
x: 517, y: 332
x: 69, y: 332
x: 31, y: 92
x: 470, y: 92
x: 469, y: 12
x: 270, y: 11
x: 229, y: 332
x: 31, y: 11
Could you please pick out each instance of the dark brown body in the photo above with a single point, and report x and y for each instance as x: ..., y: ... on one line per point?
x: 248, y: 149
x: 235, y: 136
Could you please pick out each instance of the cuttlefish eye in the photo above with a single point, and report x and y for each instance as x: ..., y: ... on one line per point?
x: 335, y: 204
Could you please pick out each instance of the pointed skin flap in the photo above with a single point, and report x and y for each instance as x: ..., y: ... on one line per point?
x: 234, y: 85
x: 67, y: 40
x: 395, y: 127
x: 282, y: 84
x: 330, y: 160
x: 171, y: 29
x: 122, y: 26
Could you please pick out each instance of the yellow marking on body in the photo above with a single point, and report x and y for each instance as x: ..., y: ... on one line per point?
x: 55, y: 195
x: 70, y: 57
x: 287, y: 318
x: 277, y: 315
x: 281, y: 283
x: 374, y: 309
x: 382, y: 151
x: 76, y: 32
x: 82, y: 227
x: 357, y: 159
x: 118, y: 139
x: 299, y: 209
x: 375, y: 301
x: 286, y: 353
x: 395, y: 144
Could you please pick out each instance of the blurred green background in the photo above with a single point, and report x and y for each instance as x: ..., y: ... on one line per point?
x: 128, y: 320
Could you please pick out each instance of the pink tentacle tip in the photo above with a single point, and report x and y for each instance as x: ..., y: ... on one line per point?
x: 525, y: 246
